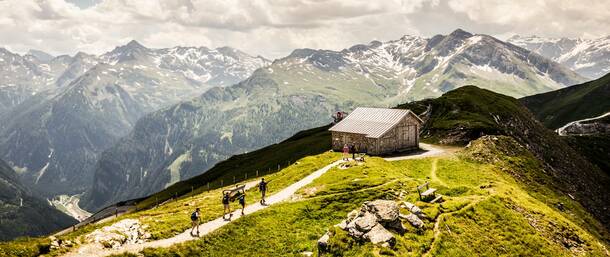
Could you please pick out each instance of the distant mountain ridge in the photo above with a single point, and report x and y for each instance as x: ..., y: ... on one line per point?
x: 53, y: 138
x: 589, y: 57
x: 301, y: 91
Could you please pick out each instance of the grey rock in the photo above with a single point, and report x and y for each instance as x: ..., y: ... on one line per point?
x: 414, y: 209
x: 414, y: 220
x: 323, y: 242
x: 366, y: 222
x: 378, y: 235
x: 385, y: 210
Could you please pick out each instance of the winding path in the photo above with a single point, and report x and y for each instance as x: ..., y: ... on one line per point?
x: 92, y: 250
x: 96, y: 250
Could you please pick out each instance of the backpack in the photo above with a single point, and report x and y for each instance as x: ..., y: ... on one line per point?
x: 225, y: 199
x: 242, y: 200
x: 194, y: 216
x: 262, y: 186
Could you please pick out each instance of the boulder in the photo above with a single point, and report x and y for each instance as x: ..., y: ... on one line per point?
x: 380, y: 235
x: 323, y: 242
x: 385, y: 210
x: 366, y: 222
x: 353, y: 231
x: 413, y: 219
x: 414, y: 209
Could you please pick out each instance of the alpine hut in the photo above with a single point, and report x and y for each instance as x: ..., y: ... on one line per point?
x: 377, y: 131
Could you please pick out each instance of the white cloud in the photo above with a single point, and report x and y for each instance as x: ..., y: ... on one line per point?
x: 274, y: 27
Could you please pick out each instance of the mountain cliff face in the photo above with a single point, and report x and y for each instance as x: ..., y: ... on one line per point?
x: 301, y: 91
x: 588, y: 57
x: 23, y: 214
x: 54, y: 138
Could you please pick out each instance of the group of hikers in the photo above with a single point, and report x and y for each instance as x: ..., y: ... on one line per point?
x: 226, y: 199
x: 351, y: 148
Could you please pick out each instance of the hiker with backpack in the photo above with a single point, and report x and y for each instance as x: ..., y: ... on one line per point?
x: 345, y: 152
x: 242, y: 202
x: 195, y: 217
x: 225, y: 201
x: 262, y: 186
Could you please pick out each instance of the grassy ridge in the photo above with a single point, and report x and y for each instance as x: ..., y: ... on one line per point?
x: 559, y: 107
x: 486, y: 212
x: 467, y: 113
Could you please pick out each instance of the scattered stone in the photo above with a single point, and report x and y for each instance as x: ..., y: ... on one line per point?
x: 308, y: 254
x: 323, y: 242
x: 414, y: 209
x: 414, y: 220
x: 379, y: 235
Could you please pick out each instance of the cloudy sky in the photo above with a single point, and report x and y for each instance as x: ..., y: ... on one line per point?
x: 273, y: 28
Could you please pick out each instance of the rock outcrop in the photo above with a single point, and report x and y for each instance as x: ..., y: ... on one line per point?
x: 373, y: 223
x: 127, y: 231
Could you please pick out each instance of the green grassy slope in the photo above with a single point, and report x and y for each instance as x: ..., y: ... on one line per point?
x: 486, y: 212
x: 464, y: 114
x: 557, y: 108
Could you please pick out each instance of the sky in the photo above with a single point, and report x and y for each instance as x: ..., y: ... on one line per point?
x: 273, y: 28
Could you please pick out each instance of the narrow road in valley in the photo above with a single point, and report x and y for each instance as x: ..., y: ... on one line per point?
x: 90, y: 250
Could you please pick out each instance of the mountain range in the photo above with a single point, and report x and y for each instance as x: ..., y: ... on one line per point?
x: 83, y: 106
x: 302, y: 90
x: 589, y: 57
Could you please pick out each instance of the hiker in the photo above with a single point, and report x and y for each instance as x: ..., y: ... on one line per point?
x: 353, y: 150
x: 242, y: 202
x: 225, y: 202
x: 195, y: 216
x: 262, y: 186
x: 345, y: 152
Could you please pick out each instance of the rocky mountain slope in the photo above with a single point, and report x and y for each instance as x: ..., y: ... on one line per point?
x: 555, y: 109
x: 301, y: 91
x: 53, y: 138
x: 24, y: 76
x: 588, y: 57
x: 22, y: 213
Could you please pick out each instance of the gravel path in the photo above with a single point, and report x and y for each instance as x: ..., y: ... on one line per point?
x: 428, y: 151
x: 91, y: 250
